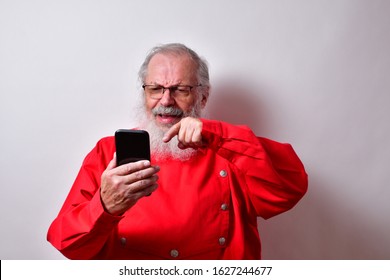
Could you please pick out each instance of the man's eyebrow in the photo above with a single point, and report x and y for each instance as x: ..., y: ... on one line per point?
x: 158, y: 85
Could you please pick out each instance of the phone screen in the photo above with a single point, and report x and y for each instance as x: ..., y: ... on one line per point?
x: 131, y: 146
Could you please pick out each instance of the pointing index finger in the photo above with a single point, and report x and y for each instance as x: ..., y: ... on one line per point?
x: 174, y: 130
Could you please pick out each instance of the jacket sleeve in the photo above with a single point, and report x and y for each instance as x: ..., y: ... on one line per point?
x: 82, y: 226
x: 274, y: 176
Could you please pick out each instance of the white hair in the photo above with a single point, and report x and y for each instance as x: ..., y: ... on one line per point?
x: 202, y: 69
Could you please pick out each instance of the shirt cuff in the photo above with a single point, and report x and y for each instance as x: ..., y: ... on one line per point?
x: 212, y: 132
x: 98, y: 213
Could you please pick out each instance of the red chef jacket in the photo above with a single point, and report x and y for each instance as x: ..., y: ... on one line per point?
x: 203, y: 208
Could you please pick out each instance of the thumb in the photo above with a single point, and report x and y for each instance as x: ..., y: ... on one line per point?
x: 112, y: 164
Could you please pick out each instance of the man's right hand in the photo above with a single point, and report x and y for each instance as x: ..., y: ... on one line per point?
x: 122, y: 186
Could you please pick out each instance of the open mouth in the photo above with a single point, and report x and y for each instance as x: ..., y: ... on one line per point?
x: 168, y: 119
x: 167, y: 115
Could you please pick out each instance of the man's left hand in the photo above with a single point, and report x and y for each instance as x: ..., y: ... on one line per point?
x: 188, y: 131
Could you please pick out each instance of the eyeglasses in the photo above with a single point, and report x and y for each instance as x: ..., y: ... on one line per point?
x: 179, y: 92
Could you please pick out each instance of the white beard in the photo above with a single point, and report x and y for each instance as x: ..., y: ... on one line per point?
x: 159, y: 149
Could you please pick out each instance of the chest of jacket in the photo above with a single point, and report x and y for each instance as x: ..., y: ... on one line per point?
x: 188, y: 214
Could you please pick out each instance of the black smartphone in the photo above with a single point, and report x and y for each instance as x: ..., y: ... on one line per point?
x: 131, y: 145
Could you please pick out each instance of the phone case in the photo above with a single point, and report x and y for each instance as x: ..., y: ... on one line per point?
x: 131, y: 145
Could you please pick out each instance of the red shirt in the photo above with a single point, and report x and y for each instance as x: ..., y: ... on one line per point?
x: 204, y: 208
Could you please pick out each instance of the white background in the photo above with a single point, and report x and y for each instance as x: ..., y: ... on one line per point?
x: 311, y: 73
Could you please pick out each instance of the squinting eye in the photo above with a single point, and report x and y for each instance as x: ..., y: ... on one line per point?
x: 182, y: 89
x: 155, y: 89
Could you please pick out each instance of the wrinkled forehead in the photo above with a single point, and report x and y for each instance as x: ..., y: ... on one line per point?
x: 171, y: 68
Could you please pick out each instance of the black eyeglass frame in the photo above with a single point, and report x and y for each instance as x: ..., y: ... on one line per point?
x: 171, y: 88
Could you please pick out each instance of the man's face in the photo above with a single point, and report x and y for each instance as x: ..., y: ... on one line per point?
x: 169, y: 70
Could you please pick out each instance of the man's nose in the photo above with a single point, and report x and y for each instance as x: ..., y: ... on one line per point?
x: 167, y: 98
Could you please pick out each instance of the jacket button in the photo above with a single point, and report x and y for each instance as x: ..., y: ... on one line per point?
x: 224, y: 207
x: 222, y: 241
x: 123, y: 241
x: 223, y: 173
x: 174, y: 253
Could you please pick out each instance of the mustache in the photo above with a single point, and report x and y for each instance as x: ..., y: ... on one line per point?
x: 171, y: 111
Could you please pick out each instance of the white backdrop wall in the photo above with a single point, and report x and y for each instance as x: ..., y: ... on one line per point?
x: 311, y: 73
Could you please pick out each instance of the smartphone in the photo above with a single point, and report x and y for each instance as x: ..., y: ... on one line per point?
x: 131, y: 145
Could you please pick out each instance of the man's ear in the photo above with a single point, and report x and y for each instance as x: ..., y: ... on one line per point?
x: 205, y: 97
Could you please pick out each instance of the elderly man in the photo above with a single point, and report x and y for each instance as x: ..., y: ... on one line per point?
x: 200, y: 195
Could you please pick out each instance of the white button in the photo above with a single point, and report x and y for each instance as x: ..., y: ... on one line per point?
x: 223, y: 173
x: 174, y: 253
x: 222, y: 241
x: 224, y: 207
